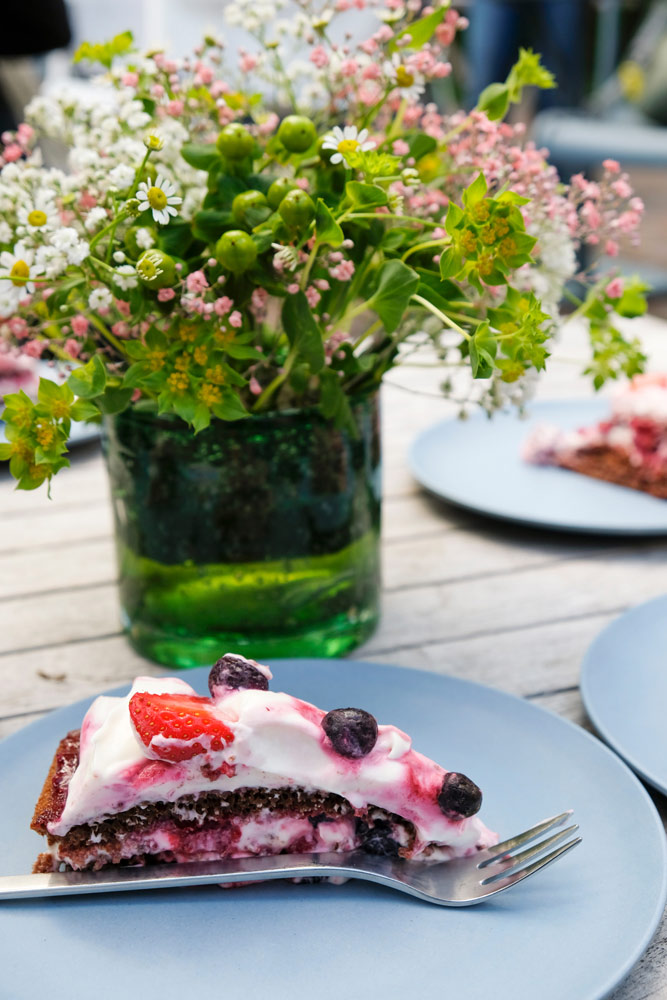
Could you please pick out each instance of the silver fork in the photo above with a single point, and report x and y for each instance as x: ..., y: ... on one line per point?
x: 460, y: 882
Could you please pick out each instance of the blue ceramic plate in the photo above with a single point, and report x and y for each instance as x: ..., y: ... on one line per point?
x: 624, y: 689
x: 477, y: 464
x: 571, y: 932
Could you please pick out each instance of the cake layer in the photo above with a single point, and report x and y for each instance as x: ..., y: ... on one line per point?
x: 211, y: 825
x: 614, y: 466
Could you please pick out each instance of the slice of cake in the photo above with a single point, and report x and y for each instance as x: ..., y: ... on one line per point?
x: 630, y: 448
x: 166, y: 775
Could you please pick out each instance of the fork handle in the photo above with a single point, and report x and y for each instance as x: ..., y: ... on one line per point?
x: 168, y: 876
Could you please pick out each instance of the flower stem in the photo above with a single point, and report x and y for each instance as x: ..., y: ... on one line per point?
x: 441, y: 316
x: 425, y: 246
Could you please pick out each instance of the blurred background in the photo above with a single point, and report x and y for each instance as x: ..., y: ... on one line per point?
x: 609, y: 57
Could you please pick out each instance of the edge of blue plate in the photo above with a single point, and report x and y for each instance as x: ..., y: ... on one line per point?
x: 588, y: 701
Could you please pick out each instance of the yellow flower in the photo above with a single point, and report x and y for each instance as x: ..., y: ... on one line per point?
x: 201, y: 355
x: 210, y: 394
x: 178, y: 383
x: 215, y: 375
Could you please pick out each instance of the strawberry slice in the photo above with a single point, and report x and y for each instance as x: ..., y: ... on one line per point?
x: 177, y: 727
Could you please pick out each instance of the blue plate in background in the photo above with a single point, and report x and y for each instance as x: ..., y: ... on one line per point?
x: 477, y: 464
x: 574, y: 931
x: 624, y: 689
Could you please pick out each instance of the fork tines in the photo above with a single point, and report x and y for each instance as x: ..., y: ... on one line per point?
x: 511, y: 865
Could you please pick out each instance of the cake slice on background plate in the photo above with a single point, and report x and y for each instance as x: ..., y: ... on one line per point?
x: 164, y: 774
x: 629, y: 448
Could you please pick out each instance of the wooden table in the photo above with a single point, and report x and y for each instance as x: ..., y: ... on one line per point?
x: 510, y: 607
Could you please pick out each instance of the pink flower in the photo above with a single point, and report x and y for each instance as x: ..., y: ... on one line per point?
x: 236, y: 319
x: 322, y: 284
x: 247, y: 62
x: 121, y: 330
x: 441, y: 70
x: 222, y: 305
x: 33, y: 348
x: 129, y: 79
x: 72, y: 347
x: 157, y: 90
x: 25, y: 133
x: 615, y: 288
x: 166, y: 295
x: 269, y: 126
x: 175, y: 108
x: 12, y: 152
x: 254, y: 386
x: 400, y: 147
x: 302, y: 182
x: 123, y: 307
x: 18, y: 327
x: 293, y: 288
x: 342, y: 271
x: 313, y: 296
x: 79, y: 326
x: 319, y: 57
x: 611, y: 248
x: 621, y: 188
x: 258, y: 299
x: 196, y: 282
x: 612, y: 166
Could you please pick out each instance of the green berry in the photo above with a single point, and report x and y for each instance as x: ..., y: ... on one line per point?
x: 250, y: 208
x: 278, y: 190
x: 156, y: 269
x: 235, y: 142
x: 297, y: 133
x: 236, y: 251
x: 297, y: 209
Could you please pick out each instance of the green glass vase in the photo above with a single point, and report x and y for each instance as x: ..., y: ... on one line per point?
x: 259, y: 536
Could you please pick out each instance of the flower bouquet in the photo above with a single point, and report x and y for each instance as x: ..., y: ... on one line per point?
x: 220, y: 256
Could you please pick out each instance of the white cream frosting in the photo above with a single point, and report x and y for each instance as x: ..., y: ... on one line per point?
x: 278, y: 742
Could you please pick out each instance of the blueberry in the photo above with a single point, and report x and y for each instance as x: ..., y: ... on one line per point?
x: 235, y: 672
x: 459, y: 796
x: 353, y: 732
x: 377, y: 839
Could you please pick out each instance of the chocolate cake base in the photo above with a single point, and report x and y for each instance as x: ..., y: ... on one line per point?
x: 211, y: 825
x: 613, y: 466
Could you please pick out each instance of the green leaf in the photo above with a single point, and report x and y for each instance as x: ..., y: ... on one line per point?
x: 475, y: 192
x: 633, y: 300
x: 451, y: 263
x: 396, y: 237
x: 494, y: 101
x: 327, y: 229
x: 455, y: 216
x: 84, y: 409
x: 115, y: 399
x: 243, y: 353
x: 420, y: 31
x: 421, y: 145
x: 397, y: 284
x: 176, y: 238
x: 104, y: 53
x: 210, y: 223
x: 335, y: 404
x: 202, y: 156
x: 365, y: 195
x: 230, y: 408
x: 89, y: 380
x: 302, y: 331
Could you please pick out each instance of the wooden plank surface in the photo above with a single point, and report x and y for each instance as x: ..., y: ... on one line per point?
x: 510, y: 607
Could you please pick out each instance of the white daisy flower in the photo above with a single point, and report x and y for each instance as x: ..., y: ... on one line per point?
x: 411, y: 85
x: 40, y: 214
x: 345, y: 141
x: 17, y: 271
x: 160, y: 198
x: 100, y: 298
x: 5, y: 232
x: 125, y: 277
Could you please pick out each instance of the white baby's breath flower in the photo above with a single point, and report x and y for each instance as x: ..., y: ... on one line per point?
x: 346, y: 141
x: 95, y: 218
x: 125, y: 277
x: 100, y: 298
x: 5, y: 232
x: 160, y: 198
x: 51, y: 260
x: 145, y: 238
x: 68, y: 241
x: 121, y: 176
